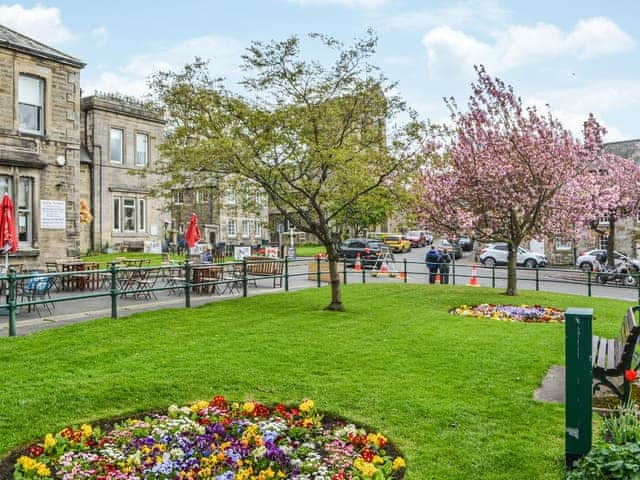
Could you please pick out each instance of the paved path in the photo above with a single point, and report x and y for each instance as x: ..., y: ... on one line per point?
x: 80, y: 310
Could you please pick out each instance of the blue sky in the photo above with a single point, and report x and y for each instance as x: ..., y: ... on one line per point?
x: 579, y: 57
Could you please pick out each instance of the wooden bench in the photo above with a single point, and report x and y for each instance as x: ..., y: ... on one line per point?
x: 134, y: 246
x: 264, y: 267
x: 612, y: 357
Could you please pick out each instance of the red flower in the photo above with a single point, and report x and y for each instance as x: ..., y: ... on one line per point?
x: 367, y: 455
x: 631, y: 375
x: 36, y: 450
x: 219, y: 402
x: 339, y: 476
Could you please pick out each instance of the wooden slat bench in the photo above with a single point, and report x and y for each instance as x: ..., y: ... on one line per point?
x: 264, y: 267
x: 610, y: 358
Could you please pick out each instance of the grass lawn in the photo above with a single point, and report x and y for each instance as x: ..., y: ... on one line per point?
x: 453, y: 393
x: 309, y: 250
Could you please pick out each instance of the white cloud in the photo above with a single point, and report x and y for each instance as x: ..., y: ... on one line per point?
x: 470, y: 13
x: 100, y: 35
x: 40, y: 22
x: 367, y: 4
x: 450, y: 50
x: 131, y: 78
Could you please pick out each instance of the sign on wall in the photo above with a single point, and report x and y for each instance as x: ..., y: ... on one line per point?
x: 53, y: 214
x: 240, y: 252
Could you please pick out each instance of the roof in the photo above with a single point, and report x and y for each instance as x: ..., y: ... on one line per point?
x: 21, y: 43
x: 627, y: 149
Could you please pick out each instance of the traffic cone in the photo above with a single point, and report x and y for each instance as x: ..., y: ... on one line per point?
x: 401, y: 276
x: 358, y: 266
x: 473, y: 281
x: 437, y: 279
x: 384, y: 269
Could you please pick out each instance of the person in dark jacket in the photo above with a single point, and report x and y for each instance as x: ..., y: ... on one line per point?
x: 445, y: 262
x: 432, y: 258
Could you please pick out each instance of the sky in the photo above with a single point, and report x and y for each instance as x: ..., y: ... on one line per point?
x: 578, y: 57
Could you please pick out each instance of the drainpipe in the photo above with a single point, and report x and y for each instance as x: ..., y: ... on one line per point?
x: 100, y: 192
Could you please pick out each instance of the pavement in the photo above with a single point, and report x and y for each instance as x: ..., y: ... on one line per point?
x: 75, y: 311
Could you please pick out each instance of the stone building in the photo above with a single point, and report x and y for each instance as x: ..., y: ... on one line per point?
x: 40, y: 145
x: 120, y: 137
x: 236, y: 213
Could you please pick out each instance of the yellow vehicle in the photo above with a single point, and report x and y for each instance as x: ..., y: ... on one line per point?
x: 395, y: 241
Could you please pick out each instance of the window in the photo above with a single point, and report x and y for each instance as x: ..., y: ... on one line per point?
x: 31, y: 104
x: 25, y: 210
x: 602, y: 243
x: 562, y: 243
x: 603, y: 219
x: 232, y: 227
x: 178, y: 197
x: 129, y: 214
x: 245, y: 228
x: 142, y: 150
x: 115, y: 145
x: 142, y: 215
x: 259, y: 197
x: 116, y: 214
x: 231, y: 196
x: 258, y: 227
x: 202, y: 196
x: 500, y: 246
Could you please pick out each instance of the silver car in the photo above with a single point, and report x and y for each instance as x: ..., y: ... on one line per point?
x: 586, y: 260
x: 497, y: 254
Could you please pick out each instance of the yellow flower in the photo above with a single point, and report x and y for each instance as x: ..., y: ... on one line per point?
x: 307, y: 406
x: 43, y: 470
x: 398, y: 463
x: 49, y: 441
x: 200, y: 405
x: 87, y: 431
x: 249, y: 407
x: 377, y: 459
x: 366, y: 468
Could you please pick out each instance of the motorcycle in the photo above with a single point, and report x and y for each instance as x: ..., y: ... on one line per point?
x: 625, y: 272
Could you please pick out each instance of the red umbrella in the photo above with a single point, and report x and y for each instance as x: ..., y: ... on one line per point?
x: 193, y: 231
x: 8, y: 237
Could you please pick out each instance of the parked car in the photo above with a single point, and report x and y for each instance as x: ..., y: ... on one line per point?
x: 586, y: 260
x: 368, y: 249
x: 451, y: 245
x: 428, y: 236
x: 497, y: 254
x: 466, y: 243
x: 397, y: 243
x: 417, y: 238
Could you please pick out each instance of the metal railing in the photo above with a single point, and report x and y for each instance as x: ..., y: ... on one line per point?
x: 121, y: 284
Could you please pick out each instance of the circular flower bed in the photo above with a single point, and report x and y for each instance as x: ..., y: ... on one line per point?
x: 218, y: 441
x: 512, y: 313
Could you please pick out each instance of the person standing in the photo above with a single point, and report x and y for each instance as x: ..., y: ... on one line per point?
x: 432, y: 258
x: 445, y: 262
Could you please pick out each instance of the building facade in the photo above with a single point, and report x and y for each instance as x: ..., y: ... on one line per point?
x: 40, y: 145
x: 120, y: 138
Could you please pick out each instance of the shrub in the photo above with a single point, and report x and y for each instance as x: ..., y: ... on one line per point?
x: 624, y: 427
x: 609, y: 461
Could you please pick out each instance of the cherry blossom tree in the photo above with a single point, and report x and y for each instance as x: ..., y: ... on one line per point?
x: 614, y: 185
x: 505, y: 172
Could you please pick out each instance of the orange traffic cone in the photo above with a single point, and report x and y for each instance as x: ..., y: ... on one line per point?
x: 358, y: 266
x: 401, y: 275
x: 437, y: 278
x: 384, y: 269
x: 473, y: 281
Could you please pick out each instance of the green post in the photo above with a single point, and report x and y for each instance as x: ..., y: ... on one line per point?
x: 344, y: 269
x: 578, y: 383
x: 453, y: 269
x: 537, y: 279
x: 589, y: 283
x: 364, y: 278
x: 318, y: 272
x: 114, y: 290
x: 286, y: 274
x: 493, y: 276
x: 244, y: 276
x: 11, y: 301
x: 404, y: 266
x: 187, y: 284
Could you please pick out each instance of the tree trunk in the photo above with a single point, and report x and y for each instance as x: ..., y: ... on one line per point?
x: 336, y: 293
x: 611, y: 242
x: 512, y: 259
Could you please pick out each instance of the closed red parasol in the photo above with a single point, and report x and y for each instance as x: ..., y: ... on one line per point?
x: 193, y: 231
x: 8, y: 237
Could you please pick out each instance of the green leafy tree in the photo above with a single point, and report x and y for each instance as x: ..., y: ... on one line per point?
x: 315, y: 137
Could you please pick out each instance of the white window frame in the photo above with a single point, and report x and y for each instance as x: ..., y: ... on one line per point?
x: 139, y: 214
x: 258, y: 228
x: 232, y: 228
x: 133, y: 204
x: 178, y: 197
x: 230, y: 197
x: 26, y: 210
x: 602, y: 242
x: 40, y: 109
x: 258, y: 197
x: 561, y: 244
x: 142, y: 215
x: 116, y: 218
x: 203, y: 196
x: 245, y: 226
x: 145, y: 161
x: 111, y: 131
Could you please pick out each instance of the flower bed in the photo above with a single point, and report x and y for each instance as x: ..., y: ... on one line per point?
x: 218, y: 441
x: 512, y: 313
